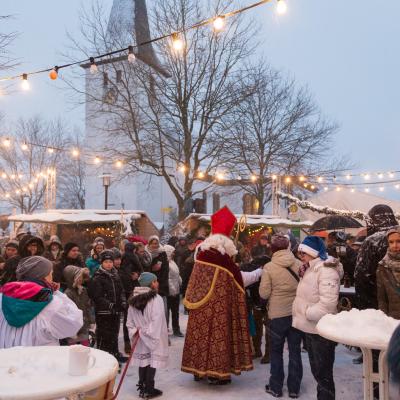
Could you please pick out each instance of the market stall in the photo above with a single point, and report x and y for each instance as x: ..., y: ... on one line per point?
x: 82, y: 226
x: 200, y: 225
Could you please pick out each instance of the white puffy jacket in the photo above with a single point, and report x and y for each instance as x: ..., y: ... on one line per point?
x: 317, y: 293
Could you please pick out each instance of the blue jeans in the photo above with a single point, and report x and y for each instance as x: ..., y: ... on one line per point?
x: 281, y: 329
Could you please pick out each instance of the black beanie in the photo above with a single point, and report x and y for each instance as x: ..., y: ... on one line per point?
x: 106, y: 255
x: 68, y: 247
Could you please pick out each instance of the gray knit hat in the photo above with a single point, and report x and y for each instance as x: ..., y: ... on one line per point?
x: 34, y: 267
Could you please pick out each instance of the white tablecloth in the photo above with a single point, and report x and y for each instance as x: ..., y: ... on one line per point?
x: 41, y: 373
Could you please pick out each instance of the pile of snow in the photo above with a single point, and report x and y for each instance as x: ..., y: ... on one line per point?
x: 365, y: 328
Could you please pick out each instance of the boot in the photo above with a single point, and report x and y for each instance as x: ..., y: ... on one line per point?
x: 178, y: 334
x: 140, y: 389
x: 127, y: 347
x: 153, y: 393
x: 265, y: 359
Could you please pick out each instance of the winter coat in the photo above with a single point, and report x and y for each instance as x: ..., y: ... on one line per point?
x: 10, y: 266
x: 93, y: 263
x: 162, y: 274
x: 58, y: 270
x: 50, y: 256
x: 174, y: 279
x: 107, y: 292
x: 253, y: 298
x: 146, y: 314
x: 79, y: 295
x: 278, y: 285
x: 186, y: 270
x: 181, y: 253
x: 130, y: 263
x: 371, y: 252
x: 348, y: 258
x: 388, y: 285
x: 317, y: 294
x: 59, y: 319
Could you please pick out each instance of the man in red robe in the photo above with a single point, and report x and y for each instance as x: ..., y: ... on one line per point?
x: 217, y: 342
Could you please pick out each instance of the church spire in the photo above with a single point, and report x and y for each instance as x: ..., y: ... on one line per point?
x: 128, y: 22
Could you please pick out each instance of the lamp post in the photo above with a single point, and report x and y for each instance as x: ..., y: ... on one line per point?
x: 106, y: 183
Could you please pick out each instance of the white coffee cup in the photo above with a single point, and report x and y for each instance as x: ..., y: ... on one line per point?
x: 80, y: 360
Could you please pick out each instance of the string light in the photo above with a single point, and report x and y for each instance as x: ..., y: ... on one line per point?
x: 253, y: 178
x: 338, y: 189
x: 182, y: 168
x: 75, y: 153
x: 348, y: 177
x: 367, y: 177
x: 302, y: 179
x: 177, y: 42
x: 380, y: 175
x: 281, y: 7
x: 7, y: 142
x: 93, y: 66
x: 25, y: 84
x: 50, y: 150
x: 24, y: 146
x: 312, y: 187
x: 4, y: 175
x: 320, y: 179
x: 97, y: 160
x: 219, y: 23
x: 274, y: 177
x: 220, y: 176
x: 200, y: 175
x: 391, y: 175
x: 288, y: 179
x: 131, y: 55
x: 118, y: 164
x: 7, y: 195
x: 53, y: 74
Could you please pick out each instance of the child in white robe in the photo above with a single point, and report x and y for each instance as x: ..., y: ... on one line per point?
x: 146, y: 317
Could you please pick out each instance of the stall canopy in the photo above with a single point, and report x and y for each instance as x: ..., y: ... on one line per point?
x: 346, y: 200
x: 78, y: 216
x: 268, y: 220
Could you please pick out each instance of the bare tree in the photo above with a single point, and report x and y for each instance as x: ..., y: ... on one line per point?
x: 27, y: 158
x: 6, y: 39
x: 278, y: 129
x: 71, y: 185
x: 157, y: 124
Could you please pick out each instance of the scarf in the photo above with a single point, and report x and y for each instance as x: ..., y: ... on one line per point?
x: 303, y: 269
x: 392, y: 262
x: 111, y: 273
x: 154, y: 253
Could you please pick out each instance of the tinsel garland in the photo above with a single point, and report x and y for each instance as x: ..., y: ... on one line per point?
x: 323, y: 209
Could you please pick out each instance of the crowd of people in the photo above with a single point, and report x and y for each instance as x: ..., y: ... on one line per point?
x: 277, y: 290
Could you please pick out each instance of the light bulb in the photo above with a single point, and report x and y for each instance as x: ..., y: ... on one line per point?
x: 97, y: 160
x: 53, y: 74
x: 338, y: 189
x: 326, y: 188
x: 12, y: 176
x: 367, y: 190
x: 380, y: 176
x: 219, y: 23
x: 93, y: 66
x: 4, y: 175
x: 7, y: 142
x: 182, y: 168
x: 366, y: 177
x: 381, y: 189
x: 288, y: 179
x: 348, y: 177
x: 7, y: 195
x: 50, y: 150
x: 75, y: 153
x: 352, y: 190
x: 253, y: 178
x: 24, y: 146
x: 200, y: 175
x: 306, y: 185
x: 281, y: 7
x: 17, y: 191
x: 302, y: 179
x: 177, y: 42
x: 274, y: 177
x: 391, y: 175
x: 312, y: 187
x: 131, y: 55
x: 220, y: 176
x: 320, y: 179
x: 397, y: 186
x: 30, y: 186
x: 118, y: 164
x: 25, y: 84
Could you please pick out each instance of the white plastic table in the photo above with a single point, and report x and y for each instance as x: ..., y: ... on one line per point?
x: 41, y: 373
x: 354, y: 332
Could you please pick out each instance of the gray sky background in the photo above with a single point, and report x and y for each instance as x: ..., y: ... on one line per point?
x: 346, y: 52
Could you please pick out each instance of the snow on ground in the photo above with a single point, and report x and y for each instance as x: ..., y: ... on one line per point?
x: 250, y: 385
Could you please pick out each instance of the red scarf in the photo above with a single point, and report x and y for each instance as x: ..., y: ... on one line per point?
x: 303, y: 269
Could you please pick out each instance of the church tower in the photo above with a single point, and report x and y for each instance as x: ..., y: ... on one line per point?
x: 128, y: 24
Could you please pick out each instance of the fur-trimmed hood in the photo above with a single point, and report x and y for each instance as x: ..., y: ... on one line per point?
x: 219, y: 242
x: 141, y: 296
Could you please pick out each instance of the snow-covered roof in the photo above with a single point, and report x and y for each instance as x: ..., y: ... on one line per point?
x: 346, y: 200
x: 78, y: 216
x: 269, y: 220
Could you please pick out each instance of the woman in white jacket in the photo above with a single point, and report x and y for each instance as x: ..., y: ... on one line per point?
x: 317, y: 295
x: 32, y: 311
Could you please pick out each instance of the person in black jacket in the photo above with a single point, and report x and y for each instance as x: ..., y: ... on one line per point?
x: 129, y: 272
x: 28, y: 246
x: 70, y: 256
x: 159, y: 265
x: 108, y: 296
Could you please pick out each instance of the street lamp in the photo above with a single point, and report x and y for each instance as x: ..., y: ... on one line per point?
x: 106, y: 183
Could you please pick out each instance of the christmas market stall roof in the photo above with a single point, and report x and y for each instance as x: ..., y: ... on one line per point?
x: 347, y: 201
x: 190, y: 222
x: 89, y: 217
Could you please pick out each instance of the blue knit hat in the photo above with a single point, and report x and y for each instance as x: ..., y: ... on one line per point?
x: 314, y: 246
x: 146, y: 278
